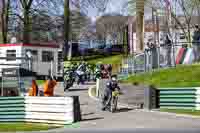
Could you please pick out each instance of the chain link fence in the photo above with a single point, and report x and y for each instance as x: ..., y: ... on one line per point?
x: 151, y: 59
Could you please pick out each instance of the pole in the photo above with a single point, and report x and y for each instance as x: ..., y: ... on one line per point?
x: 52, y: 68
x: 158, y: 37
x: 2, y: 85
x: 140, y: 25
x: 66, y: 32
x: 66, y: 28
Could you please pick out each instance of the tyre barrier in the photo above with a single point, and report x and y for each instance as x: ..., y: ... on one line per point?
x: 180, y: 98
x: 50, y: 110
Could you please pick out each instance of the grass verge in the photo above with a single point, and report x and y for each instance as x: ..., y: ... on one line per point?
x: 115, y: 59
x: 40, y: 82
x: 181, y: 76
x: 13, y: 127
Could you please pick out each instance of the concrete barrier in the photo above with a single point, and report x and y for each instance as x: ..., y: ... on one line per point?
x: 53, y: 110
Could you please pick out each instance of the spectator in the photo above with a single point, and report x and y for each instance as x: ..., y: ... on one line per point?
x: 168, y: 45
x: 33, y: 91
x: 196, y: 43
x: 154, y: 53
x: 49, y: 87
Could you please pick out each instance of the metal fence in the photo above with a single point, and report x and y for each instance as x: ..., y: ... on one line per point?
x: 151, y: 59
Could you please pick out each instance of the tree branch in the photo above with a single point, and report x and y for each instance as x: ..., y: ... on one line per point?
x: 22, y: 3
x: 20, y: 17
x: 29, y: 4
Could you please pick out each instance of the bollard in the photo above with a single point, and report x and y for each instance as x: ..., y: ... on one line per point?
x: 150, y: 98
x: 77, y: 109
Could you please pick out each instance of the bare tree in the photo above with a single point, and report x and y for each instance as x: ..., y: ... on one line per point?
x: 111, y: 25
x: 4, y: 19
x: 187, y: 9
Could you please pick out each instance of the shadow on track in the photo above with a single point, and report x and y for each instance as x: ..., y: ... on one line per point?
x: 86, y: 89
x: 90, y: 119
x: 122, y: 110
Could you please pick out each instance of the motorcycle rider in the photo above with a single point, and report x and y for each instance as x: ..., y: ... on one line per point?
x: 81, y: 72
x: 88, y: 72
x: 111, y: 86
x: 97, y: 72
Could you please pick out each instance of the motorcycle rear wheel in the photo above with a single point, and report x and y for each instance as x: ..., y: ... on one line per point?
x: 113, y: 106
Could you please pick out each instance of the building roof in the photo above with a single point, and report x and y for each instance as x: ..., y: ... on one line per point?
x: 31, y: 45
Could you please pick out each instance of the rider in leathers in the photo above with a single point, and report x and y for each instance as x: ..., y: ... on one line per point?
x: 111, y: 86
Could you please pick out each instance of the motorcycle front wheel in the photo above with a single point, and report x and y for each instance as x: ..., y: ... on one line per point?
x: 113, y: 106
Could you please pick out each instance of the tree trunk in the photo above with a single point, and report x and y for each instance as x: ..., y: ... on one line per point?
x: 140, y: 25
x: 66, y: 30
x: 4, y: 19
x: 26, y: 32
x: 189, y: 36
x: 125, y: 42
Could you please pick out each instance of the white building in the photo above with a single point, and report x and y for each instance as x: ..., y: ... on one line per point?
x: 44, y: 56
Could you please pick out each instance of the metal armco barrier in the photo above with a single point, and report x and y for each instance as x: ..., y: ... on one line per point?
x: 180, y: 98
x: 52, y: 110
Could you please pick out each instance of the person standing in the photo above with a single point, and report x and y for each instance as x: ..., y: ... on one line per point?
x: 154, y: 53
x: 196, y: 43
x: 33, y: 91
x: 81, y: 70
x: 168, y: 45
x: 49, y: 87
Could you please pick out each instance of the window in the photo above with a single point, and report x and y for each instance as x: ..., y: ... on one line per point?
x: 60, y: 56
x: 47, y: 56
x: 34, y: 54
x: 11, y: 54
x: 182, y: 36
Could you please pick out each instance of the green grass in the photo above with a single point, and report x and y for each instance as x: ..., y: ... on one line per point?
x: 11, y: 127
x: 115, y: 59
x: 181, y: 111
x: 181, y: 76
x: 40, y: 82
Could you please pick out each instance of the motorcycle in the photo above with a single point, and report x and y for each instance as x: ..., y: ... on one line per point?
x: 114, y: 100
x: 80, y: 75
x: 111, y: 104
x: 69, y: 79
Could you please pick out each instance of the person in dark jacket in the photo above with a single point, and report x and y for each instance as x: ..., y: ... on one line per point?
x: 168, y: 45
x: 111, y: 86
x: 196, y: 43
x: 153, y: 51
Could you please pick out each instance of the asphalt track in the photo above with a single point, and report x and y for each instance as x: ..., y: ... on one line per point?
x: 126, y: 119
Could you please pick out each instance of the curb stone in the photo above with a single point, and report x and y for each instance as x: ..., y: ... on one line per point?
x: 173, y: 114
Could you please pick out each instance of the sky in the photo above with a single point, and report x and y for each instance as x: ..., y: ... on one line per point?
x: 113, y: 6
x: 117, y: 7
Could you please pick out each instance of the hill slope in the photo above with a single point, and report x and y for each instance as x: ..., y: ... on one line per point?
x: 181, y: 76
